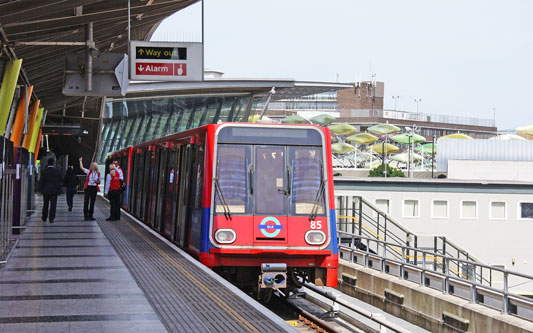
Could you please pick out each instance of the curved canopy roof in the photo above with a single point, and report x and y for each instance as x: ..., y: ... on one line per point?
x: 29, y: 28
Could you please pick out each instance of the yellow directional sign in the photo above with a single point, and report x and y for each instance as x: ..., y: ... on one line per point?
x: 161, y: 53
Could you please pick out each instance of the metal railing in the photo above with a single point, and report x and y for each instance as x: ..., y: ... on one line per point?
x: 418, y: 116
x: 359, y: 217
x: 6, y: 213
x: 381, y: 255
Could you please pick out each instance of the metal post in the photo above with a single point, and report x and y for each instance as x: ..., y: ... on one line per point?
x: 360, y: 216
x: 89, y: 64
x: 505, y: 292
x: 203, y: 41
x: 402, y: 266
x: 352, y: 245
x: 129, y: 21
x: 446, y: 269
x: 474, y: 286
x: 444, y: 251
x: 409, y: 157
x: 435, y: 251
x: 433, y: 157
x: 272, y: 92
x: 416, y: 247
x: 353, y: 215
x: 423, y: 272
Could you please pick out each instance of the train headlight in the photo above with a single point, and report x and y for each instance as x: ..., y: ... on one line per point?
x: 315, y: 237
x: 225, y: 236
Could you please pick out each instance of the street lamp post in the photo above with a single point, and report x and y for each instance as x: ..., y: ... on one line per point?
x: 395, y: 101
x: 417, y: 100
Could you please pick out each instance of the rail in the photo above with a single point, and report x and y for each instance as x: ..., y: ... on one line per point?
x: 473, y: 288
x: 360, y: 217
x: 375, y: 317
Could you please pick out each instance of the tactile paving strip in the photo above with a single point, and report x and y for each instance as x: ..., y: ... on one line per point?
x: 185, y: 297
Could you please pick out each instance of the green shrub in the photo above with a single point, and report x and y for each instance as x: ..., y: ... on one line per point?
x: 391, y: 172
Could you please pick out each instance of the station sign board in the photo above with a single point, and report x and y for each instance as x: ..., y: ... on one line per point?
x: 166, y: 61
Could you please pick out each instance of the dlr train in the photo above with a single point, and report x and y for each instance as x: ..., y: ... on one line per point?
x: 254, y: 202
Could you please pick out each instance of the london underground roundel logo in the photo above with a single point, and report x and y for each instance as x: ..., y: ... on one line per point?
x: 270, y: 230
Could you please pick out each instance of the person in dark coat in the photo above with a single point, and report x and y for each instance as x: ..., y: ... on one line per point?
x: 50, y: 187
x: 70, y: 181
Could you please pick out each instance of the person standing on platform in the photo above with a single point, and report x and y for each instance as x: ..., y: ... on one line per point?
x: 70, y: 181
x: 50, y: 187
x: 91, y: 188
x: 112, y: 192
x: 119, y: 169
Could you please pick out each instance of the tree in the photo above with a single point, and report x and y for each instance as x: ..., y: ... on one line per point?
x: 391, y: 172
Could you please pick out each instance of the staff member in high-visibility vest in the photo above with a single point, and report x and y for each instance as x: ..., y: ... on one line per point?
x: 112, y: 192
x: 92, y: 183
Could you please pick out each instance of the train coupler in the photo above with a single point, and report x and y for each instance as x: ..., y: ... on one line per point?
x: 273, y: 276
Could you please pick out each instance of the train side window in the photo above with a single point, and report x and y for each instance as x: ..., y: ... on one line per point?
x: 199, y: 177
x: 306, y: 171
x: 233, y: 180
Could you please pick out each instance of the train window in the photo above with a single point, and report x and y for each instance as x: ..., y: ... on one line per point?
x: 306, y: 171
x: 270, y: 181
x: 233, y: 169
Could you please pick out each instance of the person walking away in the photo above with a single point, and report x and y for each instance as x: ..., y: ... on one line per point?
x: 70, y: 181
x: 91, y: 188
x: 50, y: 187
x: 112, y: 192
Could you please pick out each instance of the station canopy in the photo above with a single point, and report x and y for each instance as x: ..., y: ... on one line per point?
x: 42, y: 32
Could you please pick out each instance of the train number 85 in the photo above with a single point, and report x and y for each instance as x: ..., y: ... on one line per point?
x: 316, y: 225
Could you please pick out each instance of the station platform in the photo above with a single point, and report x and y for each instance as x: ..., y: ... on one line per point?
x: 99, y: 276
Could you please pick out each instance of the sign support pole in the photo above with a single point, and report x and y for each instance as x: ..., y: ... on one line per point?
x: 203, y: 44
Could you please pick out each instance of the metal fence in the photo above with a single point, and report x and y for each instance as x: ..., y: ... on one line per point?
x: 357, y: 216
x: 417, y: 116
x: 475, y: 282
x: 6, y: 212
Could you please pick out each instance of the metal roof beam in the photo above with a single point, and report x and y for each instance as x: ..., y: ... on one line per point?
x: 75, y: 21
x: 23, y: 12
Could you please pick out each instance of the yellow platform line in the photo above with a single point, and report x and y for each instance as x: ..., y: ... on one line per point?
x: 247, y: 325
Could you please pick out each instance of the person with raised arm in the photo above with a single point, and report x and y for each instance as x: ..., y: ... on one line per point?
x: 91, y: 188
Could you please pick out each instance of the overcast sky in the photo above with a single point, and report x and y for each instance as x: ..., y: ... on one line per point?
x: 462, y: 58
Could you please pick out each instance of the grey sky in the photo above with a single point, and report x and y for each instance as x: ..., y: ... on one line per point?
x: 461, y: 58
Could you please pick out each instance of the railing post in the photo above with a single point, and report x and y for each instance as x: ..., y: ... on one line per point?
x: 423, y: 272
x: 444, y: 254
x: 416, y: 247
x: 367, y: 252
x: 446, y: 268
x: 474, y: 286
x: 360, y: 216
x: 408, y: 245
x: 384, y: 257
x: 505, y: 292
x: 353, y: 214
x: 435, y: 238
x: 402, y: 266
x: 352, y: 254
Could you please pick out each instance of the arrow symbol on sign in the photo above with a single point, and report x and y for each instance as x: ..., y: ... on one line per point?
x: 141, y: 68
x: 140, y: 51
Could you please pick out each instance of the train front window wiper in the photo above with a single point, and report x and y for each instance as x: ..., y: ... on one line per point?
x: 316, y: 202
x: 225, y: 206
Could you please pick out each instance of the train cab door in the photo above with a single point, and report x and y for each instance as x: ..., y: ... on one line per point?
x: 145, y: 184
x: 153, y: 189
x: 183, y: 194
x: 161, y: 182
x: 171, y: 192
x: 139, y: 173
x: 271, y: 192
